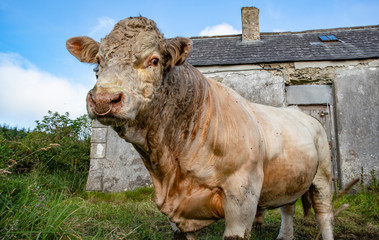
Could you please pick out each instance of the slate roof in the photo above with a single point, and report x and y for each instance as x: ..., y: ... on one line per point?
x: 354, y: 43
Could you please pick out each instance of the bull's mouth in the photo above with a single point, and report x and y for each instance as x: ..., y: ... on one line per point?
x: 110, y: 120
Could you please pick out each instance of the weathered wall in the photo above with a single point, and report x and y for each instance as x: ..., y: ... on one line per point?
x: 357, y: 110
x: 316, y: 73
x: 115, y: 165
x: 258, y: 85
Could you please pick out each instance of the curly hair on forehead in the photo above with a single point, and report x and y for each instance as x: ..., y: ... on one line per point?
x: 133, y: 25
x: 138, y: 23
x: 124, y: 34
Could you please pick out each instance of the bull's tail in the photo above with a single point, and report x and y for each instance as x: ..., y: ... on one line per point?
x: 307, y: 204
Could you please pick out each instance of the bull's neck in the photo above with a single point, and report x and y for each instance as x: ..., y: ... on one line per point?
x: 170, y: 117
x: 177, y: 105
x: 169, y: 124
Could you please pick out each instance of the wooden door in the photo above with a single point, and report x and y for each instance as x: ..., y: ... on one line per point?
x: 325, y: 115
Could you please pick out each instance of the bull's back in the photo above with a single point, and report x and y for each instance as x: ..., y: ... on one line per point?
x: 291, y: 153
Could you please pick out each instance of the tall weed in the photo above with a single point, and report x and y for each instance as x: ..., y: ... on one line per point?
x: 29, y: 211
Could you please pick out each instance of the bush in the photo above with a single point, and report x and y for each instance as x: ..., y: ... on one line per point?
x: 56, y: 144
x: 12, y: 133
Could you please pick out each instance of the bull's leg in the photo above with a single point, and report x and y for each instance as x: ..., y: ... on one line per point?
x: 240, y: 205
x: 179, y: 235
x: 259, y: 220
x: 239, y: 215
x: 321, y: 194
x: 321, y: 190
x: 321, y: 200
x: 286, y: 227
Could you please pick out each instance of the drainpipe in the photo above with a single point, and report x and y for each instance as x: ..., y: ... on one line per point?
x: 338, y: 154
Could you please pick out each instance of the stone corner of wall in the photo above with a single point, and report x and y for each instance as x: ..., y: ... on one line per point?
x: 97, y: 124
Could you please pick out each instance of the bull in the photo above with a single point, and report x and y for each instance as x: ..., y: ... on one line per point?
x: 210, y: 153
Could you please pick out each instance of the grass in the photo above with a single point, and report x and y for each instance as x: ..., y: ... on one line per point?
x: 29, y: 211
x: 41, y: 206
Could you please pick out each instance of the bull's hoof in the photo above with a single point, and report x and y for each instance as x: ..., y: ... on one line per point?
x: 258, y: 228
x: 234, y: 238
x: 179, y: 236
x: 183, y: 236
x: 285, y: 238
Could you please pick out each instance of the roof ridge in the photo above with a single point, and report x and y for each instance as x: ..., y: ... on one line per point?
x: 323, y: 30
x: 290, y: 33
x: 217, y: 36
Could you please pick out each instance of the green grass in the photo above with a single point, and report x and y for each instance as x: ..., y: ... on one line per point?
x: 41, y: 206
x: 29, y: 211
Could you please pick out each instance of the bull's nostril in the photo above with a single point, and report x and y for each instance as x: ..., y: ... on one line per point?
x: 117, y: 100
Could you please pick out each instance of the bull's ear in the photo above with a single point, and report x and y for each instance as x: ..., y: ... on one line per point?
x: 177, y: 49
x: 84, y: 49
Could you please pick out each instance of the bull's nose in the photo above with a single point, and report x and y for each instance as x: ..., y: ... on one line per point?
x: 105, y: 103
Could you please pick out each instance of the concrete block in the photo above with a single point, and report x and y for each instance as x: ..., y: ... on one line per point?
x: 94, y: 182
x: 99, y: 135
x: 309, y: 94
x: 357, y: 105
x: 98, y: 150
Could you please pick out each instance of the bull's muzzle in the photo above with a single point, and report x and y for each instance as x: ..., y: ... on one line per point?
x: 105, y: 104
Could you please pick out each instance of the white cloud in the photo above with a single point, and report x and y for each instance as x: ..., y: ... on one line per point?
x: 27, y: 93
x: 104, y: 27
x: 220, y: 29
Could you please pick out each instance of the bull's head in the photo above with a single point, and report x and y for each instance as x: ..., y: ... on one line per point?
x: 131, y: 63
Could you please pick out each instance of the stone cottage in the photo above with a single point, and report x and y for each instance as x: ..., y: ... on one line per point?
x: 332, y: 74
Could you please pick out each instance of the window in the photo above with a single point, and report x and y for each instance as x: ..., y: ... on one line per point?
x: 328, y: 38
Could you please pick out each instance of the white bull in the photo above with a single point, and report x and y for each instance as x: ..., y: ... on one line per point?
x: 211, y: 154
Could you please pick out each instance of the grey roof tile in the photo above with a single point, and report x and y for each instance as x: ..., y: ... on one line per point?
x: 354, y: 43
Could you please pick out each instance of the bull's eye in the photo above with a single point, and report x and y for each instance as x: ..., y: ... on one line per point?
x: 96, y: 69
x: 154, y: 61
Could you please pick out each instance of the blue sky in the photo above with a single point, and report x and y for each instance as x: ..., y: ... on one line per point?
x: 38, y: 74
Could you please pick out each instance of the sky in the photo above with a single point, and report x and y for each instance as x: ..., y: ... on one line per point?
x: 38, y: 74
